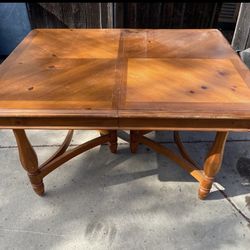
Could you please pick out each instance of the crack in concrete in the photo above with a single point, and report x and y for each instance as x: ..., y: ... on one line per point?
x: 31, y: 232
x: 123, y: 143
x: 232, y: 203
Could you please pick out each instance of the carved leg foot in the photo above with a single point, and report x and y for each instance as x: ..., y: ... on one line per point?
x: 134, y: 141
x: 29, y: 160
x: 205, y: 187
x: 212, y: 164
x: 37, y: 183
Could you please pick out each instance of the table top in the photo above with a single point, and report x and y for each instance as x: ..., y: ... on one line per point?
x: 123, y: 74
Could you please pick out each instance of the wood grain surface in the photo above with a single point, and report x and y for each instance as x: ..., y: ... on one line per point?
x: 125, y: 78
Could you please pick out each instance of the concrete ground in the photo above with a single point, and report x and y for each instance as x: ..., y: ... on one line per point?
x: 144, y: 201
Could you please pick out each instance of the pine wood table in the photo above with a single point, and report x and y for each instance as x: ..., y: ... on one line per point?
x: 138, y: 80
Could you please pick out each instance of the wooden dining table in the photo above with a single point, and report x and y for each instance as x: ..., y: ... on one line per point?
x: 140, y: 80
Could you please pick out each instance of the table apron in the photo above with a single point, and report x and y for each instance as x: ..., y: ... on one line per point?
x: 188, y: 124
x: 58, y: 123
x: 90, y: 123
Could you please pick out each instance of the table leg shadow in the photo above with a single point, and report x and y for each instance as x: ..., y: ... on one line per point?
x: 211, y: 164
x: 36, y: 173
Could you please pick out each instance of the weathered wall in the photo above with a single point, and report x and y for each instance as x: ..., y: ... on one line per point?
x: 241, y: 39
x: 14, y: 25
x: 123, y: 15
x: 16, y: 21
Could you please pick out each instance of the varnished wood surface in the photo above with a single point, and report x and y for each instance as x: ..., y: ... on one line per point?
x: 114, y: 79
x: 125, y: 78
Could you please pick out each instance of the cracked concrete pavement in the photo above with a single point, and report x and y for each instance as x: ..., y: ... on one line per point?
x: 99, y: 200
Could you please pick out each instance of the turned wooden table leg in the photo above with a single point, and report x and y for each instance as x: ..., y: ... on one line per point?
x: 29, y: 160
x: 113, y: 139
x: 134, y: 141
x: 212, y: 164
